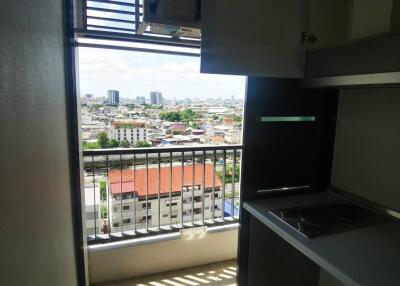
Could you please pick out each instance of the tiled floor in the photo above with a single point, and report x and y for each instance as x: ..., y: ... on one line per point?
x: 218, y: 274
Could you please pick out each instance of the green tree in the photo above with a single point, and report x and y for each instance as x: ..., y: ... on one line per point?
x: 229, y: 174
x: 102, y: 139
x: 142, y: 144
x: 113, y: 143
x: 130, y: 106
x: 103, y: 212
x: 186, y: 116
x: 103, y: 191
x: 96, y: 106
x: 90, y: 145
x: 237, y: 118
x: 125, y: 144
x: 170, y: 116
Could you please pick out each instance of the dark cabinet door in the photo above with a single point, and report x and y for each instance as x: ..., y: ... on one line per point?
x: 288, y: 137
x: 273, y: 261
x: 288, y: 143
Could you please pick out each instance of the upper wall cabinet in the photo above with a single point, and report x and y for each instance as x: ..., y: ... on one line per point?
x: 271, y: 37
x: 256, y: 37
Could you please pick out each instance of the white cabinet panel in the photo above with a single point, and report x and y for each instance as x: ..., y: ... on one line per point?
x: 370, y: 17
x: 256, y: 37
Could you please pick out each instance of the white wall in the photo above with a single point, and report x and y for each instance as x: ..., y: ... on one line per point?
x: 184, y: 252
x: 367, y: 145
x: 36, y: 241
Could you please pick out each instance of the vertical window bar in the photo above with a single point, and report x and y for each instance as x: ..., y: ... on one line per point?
x: 147, y: 192
x: 134, y: 193
x: 170, y: 190
x: 136, y: 17
x: 213, y: 184
x: 159, y: 188
x: 193, y: 173
x: 223, y: 187
x: 94, y: 199
x: 122, y: 219
x: 233, y: 185
x: 204, y: 186
x: 182, y: 183
x: 84, y: 14
x: 108, y: 197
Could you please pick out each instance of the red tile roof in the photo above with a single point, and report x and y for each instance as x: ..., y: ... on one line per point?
x: 228, y: 121
x: 128, y: 184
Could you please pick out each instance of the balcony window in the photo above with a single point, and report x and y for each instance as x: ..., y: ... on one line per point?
x: 127, y: 196
x: 148, y: 205
x: 173, y: 203
x: 174, y: 135
x: 164, y: 158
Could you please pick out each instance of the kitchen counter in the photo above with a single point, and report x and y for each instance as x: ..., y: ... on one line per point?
x: 364, y: 256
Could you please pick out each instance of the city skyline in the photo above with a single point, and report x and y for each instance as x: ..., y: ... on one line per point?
x: 137, y: 74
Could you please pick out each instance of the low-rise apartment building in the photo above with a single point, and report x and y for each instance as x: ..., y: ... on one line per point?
x: 129, y: 130
x: 130, y: 210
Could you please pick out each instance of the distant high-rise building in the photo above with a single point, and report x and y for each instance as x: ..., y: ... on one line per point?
x: 113, y: 97
x: 156, y: 98
x: 160, y: 99
x: 140, y: 99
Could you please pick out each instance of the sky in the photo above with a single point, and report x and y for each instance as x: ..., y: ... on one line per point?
x: 137, y: 73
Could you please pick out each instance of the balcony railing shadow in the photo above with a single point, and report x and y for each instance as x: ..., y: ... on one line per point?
x: 221, y: 274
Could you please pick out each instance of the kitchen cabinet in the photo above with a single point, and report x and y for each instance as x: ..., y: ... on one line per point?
x: 255, y: 37
x: 272, y: 38
x: 364, y: 256
x: 281, y: 158
x: 273, y: 261
x: 328, y: 22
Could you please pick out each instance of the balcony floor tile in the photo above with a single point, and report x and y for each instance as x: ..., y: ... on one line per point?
x: 216, y: 274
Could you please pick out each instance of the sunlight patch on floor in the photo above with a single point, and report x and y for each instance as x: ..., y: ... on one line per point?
x: 218, y: 274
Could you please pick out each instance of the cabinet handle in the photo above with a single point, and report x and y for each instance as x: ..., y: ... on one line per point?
x: 308, y: 38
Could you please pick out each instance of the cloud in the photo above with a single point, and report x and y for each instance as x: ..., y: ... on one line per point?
x: 137, y: 73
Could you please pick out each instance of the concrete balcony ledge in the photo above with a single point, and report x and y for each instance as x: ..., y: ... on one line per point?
x: 160, y: 237
x: 160, y: 253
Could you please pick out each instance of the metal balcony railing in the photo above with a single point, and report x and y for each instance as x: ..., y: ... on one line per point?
x: 147, y: 191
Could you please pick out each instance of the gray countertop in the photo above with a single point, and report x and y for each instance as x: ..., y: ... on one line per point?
x: 364, y: 256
